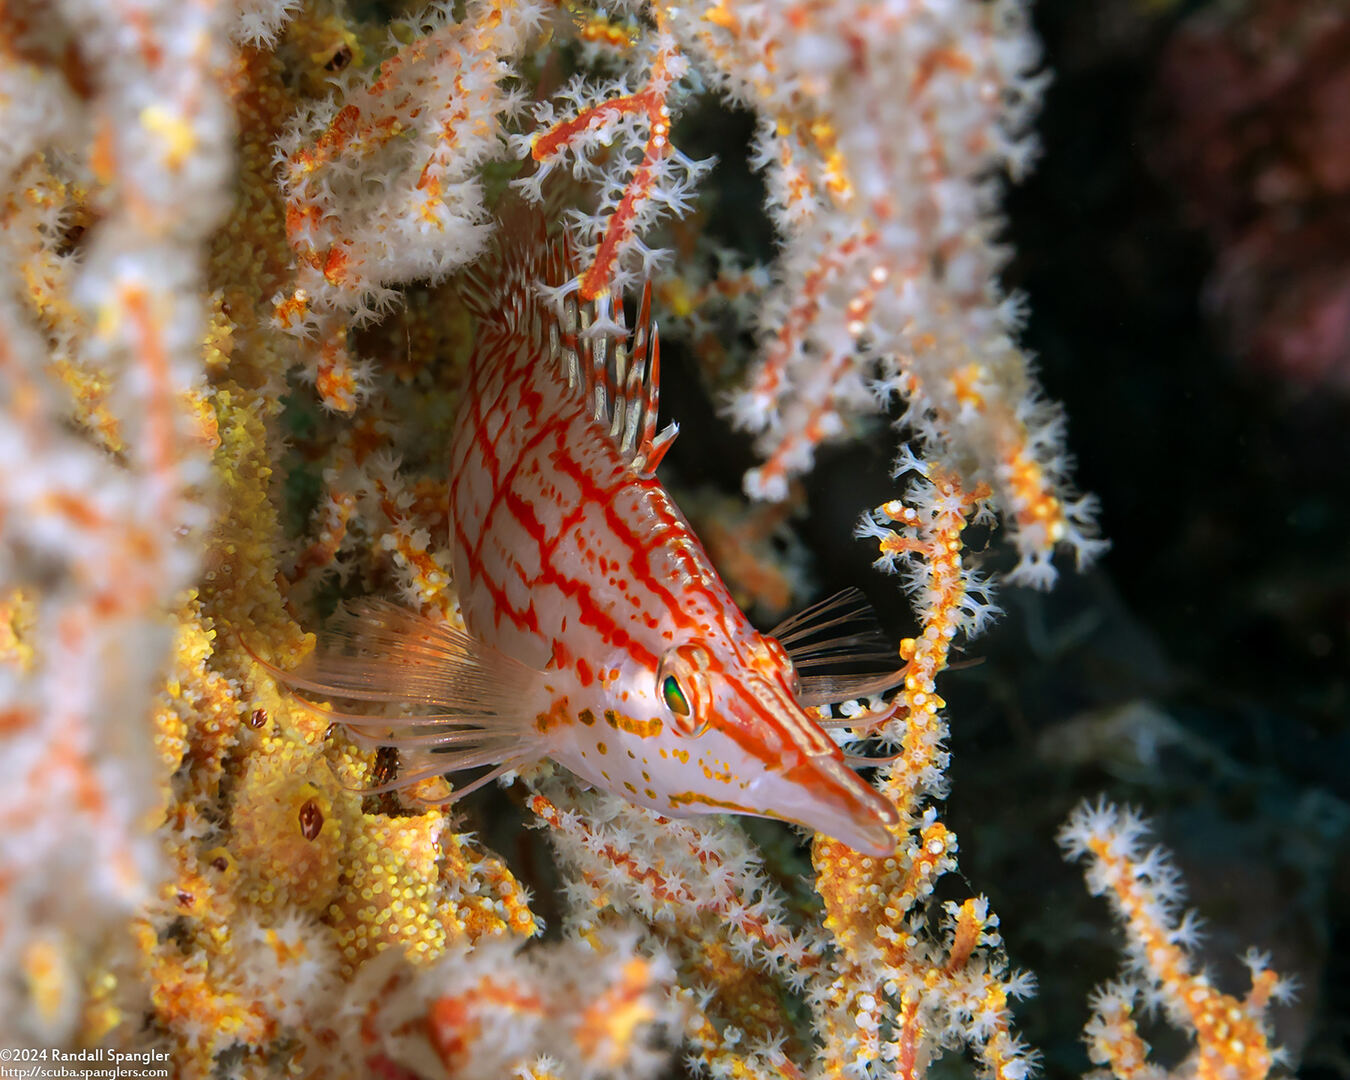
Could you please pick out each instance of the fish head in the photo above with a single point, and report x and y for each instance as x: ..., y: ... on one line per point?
x: 744, y: 744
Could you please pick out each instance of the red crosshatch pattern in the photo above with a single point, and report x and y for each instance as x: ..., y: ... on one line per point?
x: 570, y: 557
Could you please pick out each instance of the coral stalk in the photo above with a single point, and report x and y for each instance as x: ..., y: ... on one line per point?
x: 1231, y: 1035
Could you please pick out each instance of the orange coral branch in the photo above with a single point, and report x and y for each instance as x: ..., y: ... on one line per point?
x: 1231, y: 1035
x: 649, y: 102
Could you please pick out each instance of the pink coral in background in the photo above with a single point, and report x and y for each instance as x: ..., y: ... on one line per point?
x: 1252, y: 100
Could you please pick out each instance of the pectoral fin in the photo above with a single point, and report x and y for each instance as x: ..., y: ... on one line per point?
x: 830, y: 642
x: 465, y: 704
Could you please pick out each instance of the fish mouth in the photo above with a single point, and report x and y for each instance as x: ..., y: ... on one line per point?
x: 846, y: 808
x: 813, y: 786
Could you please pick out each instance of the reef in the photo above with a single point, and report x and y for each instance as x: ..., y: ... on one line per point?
x: 232, y: 346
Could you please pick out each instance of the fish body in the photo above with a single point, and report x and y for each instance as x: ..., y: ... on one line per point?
x: 601, y: 633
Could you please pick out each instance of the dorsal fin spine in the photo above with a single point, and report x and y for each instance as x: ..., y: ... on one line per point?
x: 530, y: 287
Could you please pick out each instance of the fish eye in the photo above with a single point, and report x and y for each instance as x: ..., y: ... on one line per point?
x: 681, y: 683
x: 676, y: 702
x: 681, y: 708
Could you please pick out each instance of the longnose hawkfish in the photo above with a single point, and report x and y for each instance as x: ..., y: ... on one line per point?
x: 598, y: 632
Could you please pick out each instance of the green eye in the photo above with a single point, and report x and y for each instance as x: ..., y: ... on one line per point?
x: 675, y: 699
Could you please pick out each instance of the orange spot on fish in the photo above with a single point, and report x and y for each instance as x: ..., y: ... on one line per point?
x: 697, y: 798
x: 556, y: 716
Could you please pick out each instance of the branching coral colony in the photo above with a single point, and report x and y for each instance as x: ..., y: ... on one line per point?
x: 186, y: 860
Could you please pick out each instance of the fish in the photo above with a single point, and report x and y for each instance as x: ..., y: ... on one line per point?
x: 596, y: 631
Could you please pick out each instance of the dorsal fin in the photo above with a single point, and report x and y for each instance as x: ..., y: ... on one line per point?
x: 530, y: 286
x: 617, y: 374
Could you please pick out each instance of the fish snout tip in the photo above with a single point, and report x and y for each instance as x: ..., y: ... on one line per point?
x: 859, y: 816
x: 869, y: 830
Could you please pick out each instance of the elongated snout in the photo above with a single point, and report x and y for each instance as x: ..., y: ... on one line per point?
x: 843, y: 806
x: 806, y: 780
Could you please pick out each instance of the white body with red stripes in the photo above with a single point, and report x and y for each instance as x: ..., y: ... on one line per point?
x: 571, y: 557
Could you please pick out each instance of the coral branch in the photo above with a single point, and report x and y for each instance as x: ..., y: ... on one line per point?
x: 1231, y: 1036
x: 879, y: 128
x: 104, y: 544
x: 382, y: 181
x: 633, y: 195
x: 921, y: 535
x: 701, y: 892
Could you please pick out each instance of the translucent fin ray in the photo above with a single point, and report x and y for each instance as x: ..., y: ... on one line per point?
x: 377, y: 651
x: 837, y: 633
x: 832, y: 689
x: 431, y: 771
x: 482, y: 702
